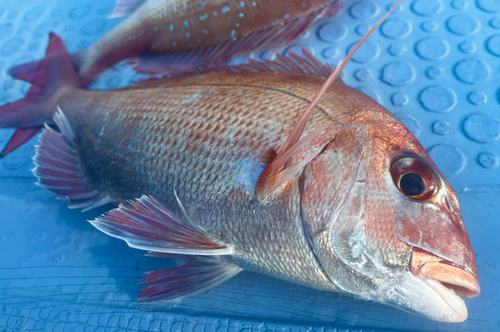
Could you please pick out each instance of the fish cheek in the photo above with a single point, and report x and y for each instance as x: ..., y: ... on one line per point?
x: 326, y: 184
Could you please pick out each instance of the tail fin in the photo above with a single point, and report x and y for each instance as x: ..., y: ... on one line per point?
x: 53, y: 72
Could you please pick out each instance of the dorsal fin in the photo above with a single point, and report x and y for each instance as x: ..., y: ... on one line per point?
x: 307, y: 64
x: 126, y: 7
x: 278, y: 172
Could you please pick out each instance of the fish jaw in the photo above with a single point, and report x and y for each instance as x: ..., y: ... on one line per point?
x: 447, y: 280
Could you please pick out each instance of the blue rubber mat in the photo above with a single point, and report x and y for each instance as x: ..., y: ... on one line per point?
x: 434, y: 63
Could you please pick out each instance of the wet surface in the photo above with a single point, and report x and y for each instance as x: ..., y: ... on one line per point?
x: 433, y: 63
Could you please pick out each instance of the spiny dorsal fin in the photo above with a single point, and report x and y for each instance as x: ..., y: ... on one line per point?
x: 126, y: 7
x: 278, y: 172
x: 307, y: 64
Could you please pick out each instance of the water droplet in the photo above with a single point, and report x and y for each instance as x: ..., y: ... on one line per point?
x: 448, y: 158
x: 472, y: 71
x: 490, y: 6
x: 399, y: 99
x: 410, y: 122
x: 482, y: 127
x: 493, y: 45
x: 488, y: 160
x: 441, y: 128
x: 366, y: 53
x: 463, y: 25
x: 458, y: 4
x: 332, y: 32
x: 429, y: 26
x: 437, y: 99
x: 398, y: 73
x: 330, y: 53
x: 363, y: 10
x: 363, y: 75
x: 397, y: 50
x: 432, y: 48
x: 395, y: 28
x: 434, y: 72
x: 467, y: 47
x: 477, y: 98
x: 426, y: 7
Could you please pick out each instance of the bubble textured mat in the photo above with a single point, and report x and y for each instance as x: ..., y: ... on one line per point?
x: 433, y: 63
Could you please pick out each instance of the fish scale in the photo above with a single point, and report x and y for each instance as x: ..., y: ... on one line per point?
x: 186, y: 159
x: 325, y: 206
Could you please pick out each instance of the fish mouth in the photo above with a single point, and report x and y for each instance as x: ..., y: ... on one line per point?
x: 449, y: 281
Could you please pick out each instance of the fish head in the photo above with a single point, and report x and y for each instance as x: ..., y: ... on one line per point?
x: 386, y: 225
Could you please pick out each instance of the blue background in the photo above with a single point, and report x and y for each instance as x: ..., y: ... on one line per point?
x: 434, y: 63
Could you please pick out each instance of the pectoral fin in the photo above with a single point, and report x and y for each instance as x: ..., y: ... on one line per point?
x: 146, y: 224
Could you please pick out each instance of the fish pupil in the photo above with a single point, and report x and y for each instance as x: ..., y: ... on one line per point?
x: 412, y: 184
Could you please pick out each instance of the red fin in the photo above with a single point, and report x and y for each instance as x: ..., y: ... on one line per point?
x: 148, y: 225
x: 58, y: 168
x: 278, y: 172
x: 197, y: 275
x: 21, y: 136
x: 307, y: 64
x: 126, y: 7
x: 25, y: 72
x: 53, y: 72
x: 182, y: 63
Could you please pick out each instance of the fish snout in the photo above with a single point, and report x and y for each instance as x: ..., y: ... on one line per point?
x: 448, y: 280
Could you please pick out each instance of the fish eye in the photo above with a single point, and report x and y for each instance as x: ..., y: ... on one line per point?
x: 412, y: 184
x: 414, y: 177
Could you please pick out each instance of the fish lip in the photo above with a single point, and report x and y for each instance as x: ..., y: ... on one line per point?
x: 448, y: 280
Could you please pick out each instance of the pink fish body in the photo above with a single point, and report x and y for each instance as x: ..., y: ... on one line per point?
x: 174, y: 37
x: 206, y: 170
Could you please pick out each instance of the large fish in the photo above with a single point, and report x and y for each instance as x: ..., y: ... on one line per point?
x: 228, y: 171
x: 175, y: 37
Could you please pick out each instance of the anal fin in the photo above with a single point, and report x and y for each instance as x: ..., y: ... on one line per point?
x: 146, y: 224
x: 200, y: 273
x: 58, y: 167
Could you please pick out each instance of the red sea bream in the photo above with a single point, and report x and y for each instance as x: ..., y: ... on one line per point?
x: 225, y: 170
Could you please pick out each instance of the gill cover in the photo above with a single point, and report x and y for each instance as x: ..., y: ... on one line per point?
x: 348, y: 218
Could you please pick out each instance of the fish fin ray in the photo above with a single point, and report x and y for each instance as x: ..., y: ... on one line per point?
x: 183, y: 63
x: 146, y: 224
x: 126, y: 7
x: 197, y: 275
x: 20, y: 137
x: 280, y: 170
x: 58, y: 167
x: 270, y: 176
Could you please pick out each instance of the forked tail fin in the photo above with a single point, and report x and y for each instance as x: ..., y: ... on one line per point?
x: 55, y: 71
